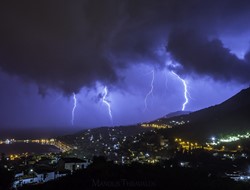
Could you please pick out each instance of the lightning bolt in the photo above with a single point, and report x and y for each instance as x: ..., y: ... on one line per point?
x: 150, y: 91
x: 185, y: 90
x: 74, y: 107
x: 105, y: 101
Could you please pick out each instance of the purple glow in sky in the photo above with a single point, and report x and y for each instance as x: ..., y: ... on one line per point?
x: 50, y: 50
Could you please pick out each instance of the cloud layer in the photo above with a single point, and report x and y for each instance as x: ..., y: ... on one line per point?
x: 73, y: 44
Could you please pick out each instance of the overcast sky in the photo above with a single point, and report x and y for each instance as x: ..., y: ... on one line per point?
x: 50, y: 50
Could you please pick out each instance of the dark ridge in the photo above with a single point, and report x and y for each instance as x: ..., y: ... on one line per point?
x: 231, y: 116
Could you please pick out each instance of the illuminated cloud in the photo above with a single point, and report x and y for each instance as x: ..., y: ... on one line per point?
x: 73, y: 44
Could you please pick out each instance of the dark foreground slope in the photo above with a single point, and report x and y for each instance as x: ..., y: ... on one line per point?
x: 231, y: 116
x: 106, y: 175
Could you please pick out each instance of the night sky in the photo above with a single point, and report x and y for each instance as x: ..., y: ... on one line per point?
x: 52, y: 49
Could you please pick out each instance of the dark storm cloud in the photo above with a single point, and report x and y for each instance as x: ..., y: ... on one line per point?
x: 70, y: 44
x: 198, y: 54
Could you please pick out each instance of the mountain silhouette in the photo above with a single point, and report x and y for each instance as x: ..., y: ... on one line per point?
x: 231, y: 116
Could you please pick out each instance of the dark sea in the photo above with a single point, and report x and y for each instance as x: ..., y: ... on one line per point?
x: 18, y: 148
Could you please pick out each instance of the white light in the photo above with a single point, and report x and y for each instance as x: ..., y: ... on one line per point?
x: 185, y: 90
x: 74, y: 107
x: 150, y: 91
x: 104, y: 100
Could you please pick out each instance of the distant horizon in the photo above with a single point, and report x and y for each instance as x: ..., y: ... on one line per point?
x: 23, y: 132
x: 33, y: 133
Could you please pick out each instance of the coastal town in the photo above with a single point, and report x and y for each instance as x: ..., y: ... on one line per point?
x: 31, y: 168
x: 145, y: 146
